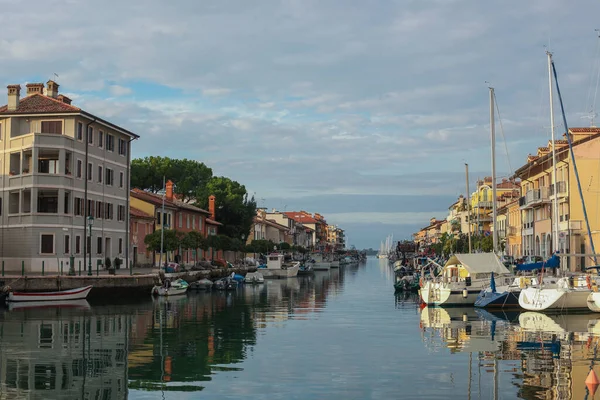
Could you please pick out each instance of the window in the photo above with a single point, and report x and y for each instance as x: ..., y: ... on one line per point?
x: 90, y: 135
x: 193, y: 222
x: 100, y: 139
x: 158, y: 218
x: 188, y: 222
x: 169, y: 220
x: 47, y: 244
x: 52, y: 127
x: 67, y: 244
x: 121, y: 213
x: 99, y: 246
x: 78, y: 206
x: 79, y: 168
x: 122, y: 147
x: 47, y: 201
x: 99, y: 173
x: 108, y: 211
x: 99, y: 209
x: 121, y: 179
x: 110, y: 142
x: 79, y: 131
x: 180, y: 220
x: 90, y: 207
x: 66, y: 207
x: 89, y: 171
x: 48, y: 165
x: 120, y: 245
x: 110, y: 177
x: 77, y: 244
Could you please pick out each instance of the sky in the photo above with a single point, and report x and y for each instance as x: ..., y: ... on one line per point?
x: 365, y: 112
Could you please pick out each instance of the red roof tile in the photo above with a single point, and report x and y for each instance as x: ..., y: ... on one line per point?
x: 137, y: 213
x: 583, y: 130
x: 299, y: 217
x: 157, y: 199
x: 38, y: 103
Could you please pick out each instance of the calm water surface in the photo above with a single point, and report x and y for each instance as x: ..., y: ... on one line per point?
x: 338, y: 335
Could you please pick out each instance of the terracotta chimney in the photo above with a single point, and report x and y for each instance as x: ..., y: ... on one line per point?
x: 35, y: 88
x: 169, y: 188
x: 52, y: 89
x: 64, y: 99
x: 14, y: 95
x: 211, y: 206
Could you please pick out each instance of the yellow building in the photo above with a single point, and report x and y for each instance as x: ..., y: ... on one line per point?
x: 513, y: 229
x: 482, y: 202
x: 538, y: 193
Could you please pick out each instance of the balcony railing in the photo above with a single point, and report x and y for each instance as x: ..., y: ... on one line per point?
x: 562, y: 188
x: 535, y: 196
x: 484, y: 204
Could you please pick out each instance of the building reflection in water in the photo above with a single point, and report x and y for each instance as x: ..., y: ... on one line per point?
x: 544, y: 356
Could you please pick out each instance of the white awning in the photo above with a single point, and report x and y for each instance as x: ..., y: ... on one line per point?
x: 478, y: 263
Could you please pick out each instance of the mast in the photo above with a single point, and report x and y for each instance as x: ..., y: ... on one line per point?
x: 554, y: 200
x: 162, y: 225
x: 468, y: 206
x: 493, y: 139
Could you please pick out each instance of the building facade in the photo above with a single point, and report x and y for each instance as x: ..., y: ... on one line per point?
x: 60, y: 166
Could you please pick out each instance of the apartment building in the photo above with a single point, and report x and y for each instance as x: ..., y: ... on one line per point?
x: 60, y: 165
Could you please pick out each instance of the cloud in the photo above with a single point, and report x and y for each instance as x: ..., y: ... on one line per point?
x: 118, y: 91
x: 389, y: 100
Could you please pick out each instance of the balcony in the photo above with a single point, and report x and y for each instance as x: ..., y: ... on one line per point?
x: 573, y: 225
x: 484, y: 204
x: 535, y: 197
x: 562, y: 188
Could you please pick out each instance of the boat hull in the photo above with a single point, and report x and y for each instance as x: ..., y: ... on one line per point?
x: 273, y: 273
x: 172, y: 291
x: 506, y: 299
x: 534, y: 299
x: 593, y: 301
x: 334, y: 264
x: 435, y: 294
x: 64, y: 295
x: 321, y: 266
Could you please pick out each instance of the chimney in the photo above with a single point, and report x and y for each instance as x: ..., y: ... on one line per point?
x: 169, y: 187
x: 34, y: 88
x: 52, y: 89
x: 64, y: 99
x: 14, y: 95
x: 211, y: 206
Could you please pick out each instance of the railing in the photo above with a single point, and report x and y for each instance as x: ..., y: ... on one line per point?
x: 535, y: 196
x: 484, y: 204
x: 562, y: 188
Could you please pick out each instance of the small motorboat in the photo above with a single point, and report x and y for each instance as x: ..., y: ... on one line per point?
x: 169, y: 288
x: 202, y: 284
x: 305, y: 269
x: 226, y: 284
x: 71, y: 294
x: 254, y: 278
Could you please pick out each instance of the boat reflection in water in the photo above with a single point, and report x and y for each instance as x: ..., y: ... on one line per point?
x: 545, y: 356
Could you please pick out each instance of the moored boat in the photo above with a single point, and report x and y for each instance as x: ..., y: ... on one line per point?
x: 319, y: 262
x: 202, y: 284
x: 254, y: 278
x: 569, y: 292
x: 305, y: 269
x: 226, y: 284
x: 276, y: 268
x: 169, y: 288
x: 63, y: 295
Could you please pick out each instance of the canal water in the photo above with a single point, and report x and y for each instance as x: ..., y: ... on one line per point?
x: 341, y: 334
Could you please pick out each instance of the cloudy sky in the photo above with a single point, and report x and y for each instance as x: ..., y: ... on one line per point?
x: 365, y: 111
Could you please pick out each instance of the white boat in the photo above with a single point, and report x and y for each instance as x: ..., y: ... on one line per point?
x: 169, y: 288
x: 254, y: 278
x: 563, y: 293
x: 334, y: 264
x: 319, y: 262
x: 276, y: 268
x: 462, y: 278
x: 71, y: 294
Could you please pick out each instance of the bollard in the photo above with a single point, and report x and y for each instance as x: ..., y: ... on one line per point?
x: 61, y: 267
x: 22, y: 268
x: 42, y: 267
x: 79, y: 267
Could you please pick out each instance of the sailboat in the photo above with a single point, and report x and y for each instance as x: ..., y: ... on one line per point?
x: 568, y: 292
x: 385, y: 248
x: 464, y: 276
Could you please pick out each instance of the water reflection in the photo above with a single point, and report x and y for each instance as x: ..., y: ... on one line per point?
x: 544, y: 356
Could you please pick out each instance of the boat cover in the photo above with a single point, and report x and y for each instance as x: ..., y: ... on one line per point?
x: 552, y: 262
x: 478, y: 263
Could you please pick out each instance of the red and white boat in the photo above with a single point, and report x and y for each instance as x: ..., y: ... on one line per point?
x: 63, y: 295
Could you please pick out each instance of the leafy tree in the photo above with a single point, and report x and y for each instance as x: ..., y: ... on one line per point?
x: 189, y: 176
x: 284, y: 246
x: 171, y: 242
x: 224, y: 243
x: 212, y: 242
x: 193, y: 240
x: 234, y: 209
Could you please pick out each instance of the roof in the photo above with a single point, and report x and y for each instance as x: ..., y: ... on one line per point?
x: 270, y: 222
x: 212, y: 222
x: 478, y: 263
x: 157, y: 200
x: 137, y: 213
x: 300, y: 217
x: 39, y: 104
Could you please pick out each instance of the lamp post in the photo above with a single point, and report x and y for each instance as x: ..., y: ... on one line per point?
x: 90, y: 223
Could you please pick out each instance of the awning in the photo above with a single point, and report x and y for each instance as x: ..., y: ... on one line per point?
x: 552, y: 262
x: 478, y: 263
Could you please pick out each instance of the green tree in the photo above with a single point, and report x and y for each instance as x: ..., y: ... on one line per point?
x: 212, y: 243
x: 284, y: 246
x: 189, y: 176
x: 194, y: 240
x: 234, y: 209
x: 171, y: 242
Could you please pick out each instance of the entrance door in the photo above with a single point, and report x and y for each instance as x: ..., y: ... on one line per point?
x: 135, y: 259
x: 108, y: 248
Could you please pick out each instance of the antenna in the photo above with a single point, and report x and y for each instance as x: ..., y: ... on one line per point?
x: 55, y: 77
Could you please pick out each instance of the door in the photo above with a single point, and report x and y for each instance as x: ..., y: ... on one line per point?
x: 135, y: 259
x: 108, y: 248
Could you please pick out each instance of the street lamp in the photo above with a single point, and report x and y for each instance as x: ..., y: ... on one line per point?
x: 90, y: 223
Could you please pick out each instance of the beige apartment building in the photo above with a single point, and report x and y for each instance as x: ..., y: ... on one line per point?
x: 60, y: 165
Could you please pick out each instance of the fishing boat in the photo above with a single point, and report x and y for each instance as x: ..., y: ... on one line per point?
x: 254, y: 278
x: 168, y: 288
x: 63, y: 295
x: 319, y: 262
x: 276, y: 268
x: 462, y: 279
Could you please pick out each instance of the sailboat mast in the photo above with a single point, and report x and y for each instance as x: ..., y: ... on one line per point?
x: 468, y: 206
x: 493, y: 139
x: 555, y: 199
